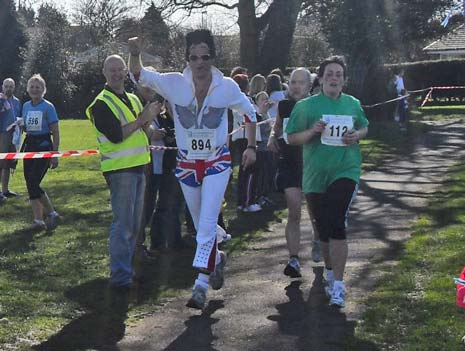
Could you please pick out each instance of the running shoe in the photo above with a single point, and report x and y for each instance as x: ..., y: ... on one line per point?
x: 38, y: 226
x: 338, y: 296
x: 252, y: 208
x: 10, y: 194
x: 221, y: 235
x: 268, y: 201
x: 216, y: 279
x: 293, y: 268
x: 199, y: 296
x: 52, y: 221
x: 328, y: 281
x: 316, y: 251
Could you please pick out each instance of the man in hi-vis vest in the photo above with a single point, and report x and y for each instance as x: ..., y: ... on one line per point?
x: 119, y: 121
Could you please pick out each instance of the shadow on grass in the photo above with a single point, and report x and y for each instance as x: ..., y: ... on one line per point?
x: 446, y: 208
x: 101, y: 327
x: 318, y: 326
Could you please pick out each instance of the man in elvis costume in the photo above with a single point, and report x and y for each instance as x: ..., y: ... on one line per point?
x: 200, y: 98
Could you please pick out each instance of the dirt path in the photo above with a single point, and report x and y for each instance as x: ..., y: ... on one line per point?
x: 261, y: 309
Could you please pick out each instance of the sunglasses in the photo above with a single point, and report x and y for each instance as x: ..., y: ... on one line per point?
x: 194, y: 58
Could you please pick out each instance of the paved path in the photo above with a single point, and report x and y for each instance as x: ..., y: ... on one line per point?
x: 261, y: 309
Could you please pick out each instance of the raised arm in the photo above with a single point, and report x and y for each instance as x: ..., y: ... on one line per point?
x: 135, y: 64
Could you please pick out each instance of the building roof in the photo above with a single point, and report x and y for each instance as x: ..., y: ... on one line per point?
x: 453, y: 41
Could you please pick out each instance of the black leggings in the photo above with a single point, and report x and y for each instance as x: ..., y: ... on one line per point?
x: 35, y: 169
x: 330, y: 209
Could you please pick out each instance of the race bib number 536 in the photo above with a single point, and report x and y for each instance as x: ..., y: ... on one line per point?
x: 201, y: 143
x: 336, y: 127
x: 34, y: 121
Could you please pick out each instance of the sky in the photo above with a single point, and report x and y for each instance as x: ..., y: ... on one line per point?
x: 215, y: 18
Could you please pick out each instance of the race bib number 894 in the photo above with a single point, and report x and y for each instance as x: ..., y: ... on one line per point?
x: 336, y: 127
x: 201, y: 143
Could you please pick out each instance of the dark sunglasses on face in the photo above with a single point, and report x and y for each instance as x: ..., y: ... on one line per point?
x: 194, y: 58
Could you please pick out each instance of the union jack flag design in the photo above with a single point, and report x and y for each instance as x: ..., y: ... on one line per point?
x: 192, y: 172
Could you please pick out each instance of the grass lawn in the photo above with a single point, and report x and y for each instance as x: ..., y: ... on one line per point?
x: 413, y: 306
x: 451, y: 111
x: 442, y: 108
x: 53, y: 285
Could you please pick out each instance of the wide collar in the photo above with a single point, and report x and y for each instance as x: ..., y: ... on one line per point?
x: 217, y: 76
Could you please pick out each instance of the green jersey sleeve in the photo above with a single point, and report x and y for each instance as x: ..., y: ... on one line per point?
x: 298, y: 120
x: 360, y: 119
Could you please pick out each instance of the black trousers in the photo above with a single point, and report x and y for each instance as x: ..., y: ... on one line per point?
x: 35, y: 169
x: 330, y: 208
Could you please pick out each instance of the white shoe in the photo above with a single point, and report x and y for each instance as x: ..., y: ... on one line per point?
x: 252, y: 208
x: 199, y: 296
x: 221, y: 235
x: 338, y: 296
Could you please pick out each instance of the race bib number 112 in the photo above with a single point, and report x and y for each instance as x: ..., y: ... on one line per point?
x: 336, y: 127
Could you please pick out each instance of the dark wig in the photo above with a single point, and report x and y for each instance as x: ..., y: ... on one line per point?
x: 197, y: 37
x: 340, y: 60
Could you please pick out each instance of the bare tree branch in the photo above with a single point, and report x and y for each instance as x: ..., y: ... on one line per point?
x: 199, y: 4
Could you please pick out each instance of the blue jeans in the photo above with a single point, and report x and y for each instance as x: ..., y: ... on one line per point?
x: 165, y: 230
x: 127, y: 191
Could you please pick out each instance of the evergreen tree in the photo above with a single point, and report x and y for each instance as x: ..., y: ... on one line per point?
x: 48, y: 54
x: 156, y: 33
x: 13, y: 41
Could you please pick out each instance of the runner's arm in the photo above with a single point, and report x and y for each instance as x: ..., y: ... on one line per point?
x: 276, y: 131
x: 354, y: 135
x: 307, y: 135
x: 55, y: 131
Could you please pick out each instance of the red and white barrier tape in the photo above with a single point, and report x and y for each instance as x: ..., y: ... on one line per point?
x: 426, y: 97
x: 46, y: 154
x: 50, y: 154
x: 409, y: 92
x: 430, y: 92
x: 159, y: 147
x: 386, y: 102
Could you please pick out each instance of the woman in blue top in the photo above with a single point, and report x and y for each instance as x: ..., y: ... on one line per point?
x: 42, y: 134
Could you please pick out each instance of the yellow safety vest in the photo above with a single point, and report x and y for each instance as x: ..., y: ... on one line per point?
x: 132, y: 151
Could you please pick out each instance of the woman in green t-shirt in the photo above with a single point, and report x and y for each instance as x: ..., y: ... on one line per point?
x: 329, y: 125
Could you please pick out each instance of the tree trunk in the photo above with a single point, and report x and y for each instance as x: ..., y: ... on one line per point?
x: 277, y: 43
x: 249, y: 35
